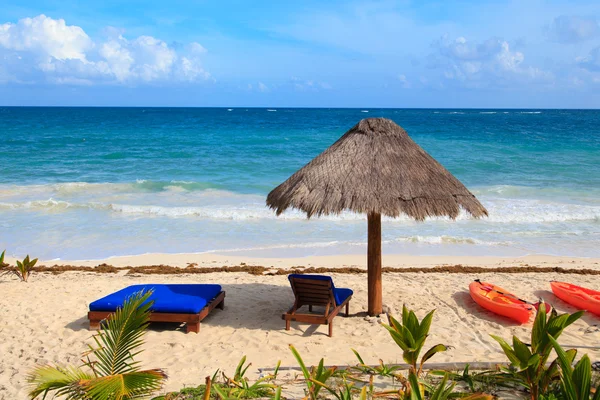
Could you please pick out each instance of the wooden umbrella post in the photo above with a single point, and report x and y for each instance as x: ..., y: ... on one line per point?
x: 374, y: 264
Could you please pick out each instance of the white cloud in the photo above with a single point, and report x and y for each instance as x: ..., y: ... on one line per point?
x: 46, y: 36
x: 308, y: 84
x: 591, y: 62
x: 588, y: 74
x: 196, y: 48
x: 483, y: 64
x: 573, y: 29
x: 43, y: 48
x: 262, y: 87
x: 404, y: 81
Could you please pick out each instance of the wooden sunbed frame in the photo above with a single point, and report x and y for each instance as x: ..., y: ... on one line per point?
x: 312, y: 292
x: 192, y: 321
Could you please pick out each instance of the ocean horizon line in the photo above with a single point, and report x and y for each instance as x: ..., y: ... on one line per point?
x: 300, y: 107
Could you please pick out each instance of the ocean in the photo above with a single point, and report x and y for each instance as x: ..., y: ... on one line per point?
x: 89, y: 183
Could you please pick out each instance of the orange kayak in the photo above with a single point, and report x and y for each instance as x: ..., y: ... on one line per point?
x: 500, y: 302
x: 580, y: 297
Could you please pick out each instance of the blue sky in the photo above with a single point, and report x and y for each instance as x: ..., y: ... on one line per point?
x: 487, y: 53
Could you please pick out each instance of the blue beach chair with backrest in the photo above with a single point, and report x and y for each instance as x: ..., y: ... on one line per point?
x: 189, y: 303
x: 316, y: 290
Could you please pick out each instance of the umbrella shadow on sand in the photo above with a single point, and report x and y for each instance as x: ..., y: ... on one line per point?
x: 251, y: 306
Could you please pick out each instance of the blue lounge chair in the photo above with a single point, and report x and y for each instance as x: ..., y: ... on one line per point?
x: 316, y: 290
x: 172, y: 303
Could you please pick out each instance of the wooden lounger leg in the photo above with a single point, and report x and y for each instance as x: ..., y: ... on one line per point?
x: 310, y: 308
x: 94, y: 325
x: 287, y: 324
x: 193, y: 327
x: 222, y: 304
x: 347, y: 309
x: 331, y: 329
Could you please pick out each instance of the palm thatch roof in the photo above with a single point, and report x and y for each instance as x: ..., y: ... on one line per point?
x: 375, y: 168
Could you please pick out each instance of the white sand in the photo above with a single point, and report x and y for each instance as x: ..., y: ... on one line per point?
x: 44, y: 320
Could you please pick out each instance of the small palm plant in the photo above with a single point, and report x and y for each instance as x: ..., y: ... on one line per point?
x: 22, y: 270
x: 441, y: 391
x: 239, y: 387
x: 529, y: 365
x: 113, y: 374
x: 576, y: 382
x: 315, y: 378
x: 410, y: 336
x: 382, y: 369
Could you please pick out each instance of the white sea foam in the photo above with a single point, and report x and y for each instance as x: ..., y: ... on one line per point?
x: 122, y: 218
x: 444, y: 239
x: 271, y: 110
x: 487, y: 112
x: 530, y: 112
x: 246, y: 207
x: 364, y: 111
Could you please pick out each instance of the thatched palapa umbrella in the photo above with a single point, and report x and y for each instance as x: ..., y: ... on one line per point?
x: 375, y: 169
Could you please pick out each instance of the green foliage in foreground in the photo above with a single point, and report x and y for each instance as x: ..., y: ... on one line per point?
x: 560, y: 380
x: 315, y: 378
x: 575, y: 381
x: 221, y: 386
x: 410, y: 336
x: 529, y: 362
x: 111, y: 372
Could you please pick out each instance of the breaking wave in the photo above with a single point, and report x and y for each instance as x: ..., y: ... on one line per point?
x: 251, y: 207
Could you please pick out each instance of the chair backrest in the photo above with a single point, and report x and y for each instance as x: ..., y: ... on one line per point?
x: 316, y: 290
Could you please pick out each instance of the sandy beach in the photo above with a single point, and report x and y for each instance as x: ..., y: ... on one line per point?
x: 44, y: 320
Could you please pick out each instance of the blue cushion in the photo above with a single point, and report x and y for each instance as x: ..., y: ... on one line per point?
x: 340, y: 294
x: 183, y: 299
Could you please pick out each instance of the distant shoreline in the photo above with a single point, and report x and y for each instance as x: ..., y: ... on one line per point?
x: 332, y: 262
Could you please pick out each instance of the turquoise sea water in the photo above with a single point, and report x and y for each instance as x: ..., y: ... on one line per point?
x: 96, y: 182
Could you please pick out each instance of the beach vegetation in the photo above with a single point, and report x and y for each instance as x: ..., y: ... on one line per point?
x: 529, y: 362
x: 223, y: 386
x: 315, y: 378
x: 22, y: 270
x: 575, y: 381
x: 110, y: 372
x: 443, y: 390
x: 410, y: 335
x: 109, y: 369
x: 477, y: 382
x: 344, y: 391
x: 382, y: 369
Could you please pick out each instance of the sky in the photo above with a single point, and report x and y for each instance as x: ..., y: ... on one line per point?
x: 308, y: 53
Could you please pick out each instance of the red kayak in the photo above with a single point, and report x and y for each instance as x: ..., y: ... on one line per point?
x: 501, y: 302
x: 577, y: 296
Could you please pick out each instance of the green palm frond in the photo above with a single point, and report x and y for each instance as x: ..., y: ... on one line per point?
x: 115, y: 375
x: 65, y: 381
x: 120, y: 339
x: 129, y: 386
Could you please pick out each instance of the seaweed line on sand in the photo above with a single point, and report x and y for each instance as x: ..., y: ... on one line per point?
x: 262, y: 270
